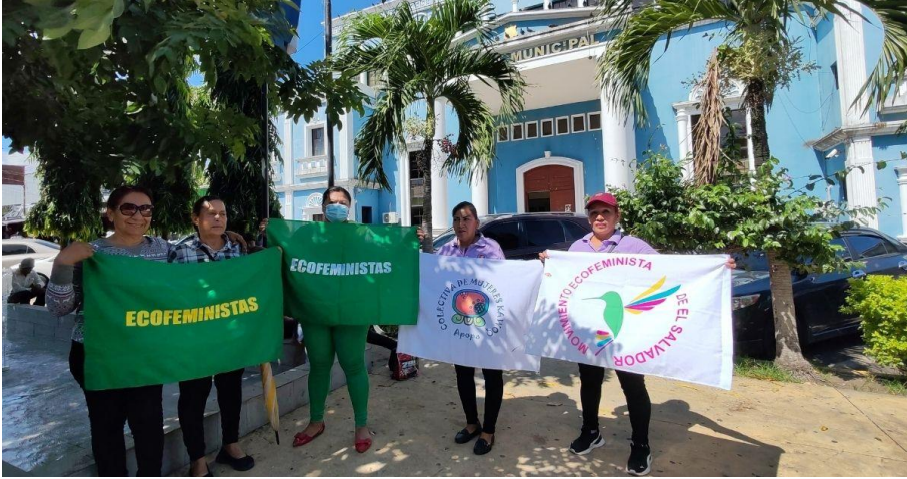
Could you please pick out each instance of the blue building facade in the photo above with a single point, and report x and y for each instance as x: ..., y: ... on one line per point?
x: 569, y: 142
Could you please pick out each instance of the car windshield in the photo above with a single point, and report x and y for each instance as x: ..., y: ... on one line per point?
x: 47, y: 244
x: 752, y: 261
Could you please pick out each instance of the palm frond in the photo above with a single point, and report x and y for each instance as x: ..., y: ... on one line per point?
x: 623, y: 70
x: 707, y: 132
x: 891, y: 68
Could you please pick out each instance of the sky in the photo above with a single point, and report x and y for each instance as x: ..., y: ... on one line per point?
x: 310, y: 30
x: 311, y: 40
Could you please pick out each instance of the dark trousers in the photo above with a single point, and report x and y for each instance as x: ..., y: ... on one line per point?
x: 638, y: 403
x: 108, y: 412
x: 494, y: 395
x: 25, y: 297
x: 385, y: 342
x: 191, y: 407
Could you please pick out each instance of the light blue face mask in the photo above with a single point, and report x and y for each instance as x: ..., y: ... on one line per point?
x: 336, y: 212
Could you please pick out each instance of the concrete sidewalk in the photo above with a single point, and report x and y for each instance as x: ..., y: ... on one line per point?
x: 759, y: 428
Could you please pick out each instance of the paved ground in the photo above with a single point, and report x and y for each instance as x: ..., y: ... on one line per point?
x: 44, y: 415
x: 759, y: 428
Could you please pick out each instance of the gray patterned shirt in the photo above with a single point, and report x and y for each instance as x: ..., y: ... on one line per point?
x: 64, y: 290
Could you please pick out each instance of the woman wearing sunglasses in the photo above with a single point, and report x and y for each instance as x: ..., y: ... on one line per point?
x: 130, y: 209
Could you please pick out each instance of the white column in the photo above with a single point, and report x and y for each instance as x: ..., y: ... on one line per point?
x: 404, y: 190
x: 289, y: 175
x: 479, y: 187
x: 683, y: 142
x: 440, y: 215
x: 861, y: 185
x: 547, y: 5
x: 290, y: 212
x: 618, y: 146
x: 901, y: 171
x: 515, y: 6
x: 851, y: 55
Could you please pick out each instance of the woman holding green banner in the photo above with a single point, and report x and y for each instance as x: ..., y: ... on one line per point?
x: 346, y: 342
x: 470, y: 243
x: 210, y: 243
x: 130, y: 209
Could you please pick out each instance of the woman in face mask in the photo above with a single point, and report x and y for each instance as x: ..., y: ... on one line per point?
x: 347, y: 342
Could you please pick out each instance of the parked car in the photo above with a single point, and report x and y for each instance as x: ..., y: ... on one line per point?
x: 817, y: 297
x: 17, y: 249
x: 525, y: 235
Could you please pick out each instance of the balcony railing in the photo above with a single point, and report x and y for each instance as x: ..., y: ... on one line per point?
x: 314, y: 166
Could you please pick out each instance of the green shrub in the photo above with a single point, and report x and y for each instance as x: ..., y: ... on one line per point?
x: 881, y: 301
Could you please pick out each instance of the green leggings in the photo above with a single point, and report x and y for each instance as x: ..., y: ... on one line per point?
x: 349, y: 344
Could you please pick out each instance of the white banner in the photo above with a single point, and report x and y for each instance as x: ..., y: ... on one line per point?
x: 474, y: 312
x: 661, y: 315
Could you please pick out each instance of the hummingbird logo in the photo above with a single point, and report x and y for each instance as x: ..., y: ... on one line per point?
x: 614, y: 309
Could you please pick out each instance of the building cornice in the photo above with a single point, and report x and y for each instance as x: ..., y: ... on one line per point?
x: 321, y: 185
x: 842, y: 134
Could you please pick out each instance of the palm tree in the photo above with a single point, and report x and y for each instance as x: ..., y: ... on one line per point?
x: 756, y: 51
x: 421, y: 60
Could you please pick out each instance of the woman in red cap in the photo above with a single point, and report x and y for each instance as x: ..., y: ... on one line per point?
x: 604, y: 215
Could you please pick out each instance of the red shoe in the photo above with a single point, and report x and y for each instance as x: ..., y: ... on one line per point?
x: 301, y: 439
x: 362, y: 445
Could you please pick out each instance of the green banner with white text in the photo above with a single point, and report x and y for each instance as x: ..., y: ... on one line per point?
x: 348, y: 273
x: 154, y: 323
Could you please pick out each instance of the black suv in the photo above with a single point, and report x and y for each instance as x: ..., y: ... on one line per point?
x: 817, y: 297
x: 525, y: 235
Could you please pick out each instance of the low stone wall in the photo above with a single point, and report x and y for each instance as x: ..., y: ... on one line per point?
x: 292, y: 393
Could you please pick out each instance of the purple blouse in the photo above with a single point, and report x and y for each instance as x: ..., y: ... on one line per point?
x: 621, y: 244
x: 482, y: 247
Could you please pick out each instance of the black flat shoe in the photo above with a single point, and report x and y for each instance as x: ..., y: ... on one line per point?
x: 465, y: 436
x: 482, y: 447
x: 241, y: 464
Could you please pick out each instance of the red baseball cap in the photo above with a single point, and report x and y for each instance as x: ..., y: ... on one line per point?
x: 602, y: 197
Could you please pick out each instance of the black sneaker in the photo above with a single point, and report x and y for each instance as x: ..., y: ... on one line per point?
x: 586, y: 442
x: 640, y: 462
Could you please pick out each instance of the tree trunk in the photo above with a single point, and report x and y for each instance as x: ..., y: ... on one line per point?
x: 755, y: 103
x: 788, y: 354
x: 424, y: 164
x: 423, y: 160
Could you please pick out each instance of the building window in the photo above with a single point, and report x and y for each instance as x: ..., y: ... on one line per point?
x: 578, y: 124
x: 547, y: 127
x: 503, y: 134
x: 317, y: 137
x: 595, y: 121
x: 532, y: 129
x: 416, y: 190
x: 733, y: 137
x: 834, y: 73
x: 373, y: 79
x: 563, y: 125
x: 516, y: 131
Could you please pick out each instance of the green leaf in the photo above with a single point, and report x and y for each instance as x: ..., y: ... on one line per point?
x: 881, y: 164
x: 55, y: 33
x: 93, y: 38
x: 119, y: 6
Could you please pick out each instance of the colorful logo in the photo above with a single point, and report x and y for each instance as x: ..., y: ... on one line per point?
x: 614, y: 309
x: 470, y: 306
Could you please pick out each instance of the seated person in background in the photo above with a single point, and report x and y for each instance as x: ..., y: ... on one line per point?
x: 27, y: 285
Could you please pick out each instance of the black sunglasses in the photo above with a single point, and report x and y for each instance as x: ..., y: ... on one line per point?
x: 129, y: 209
